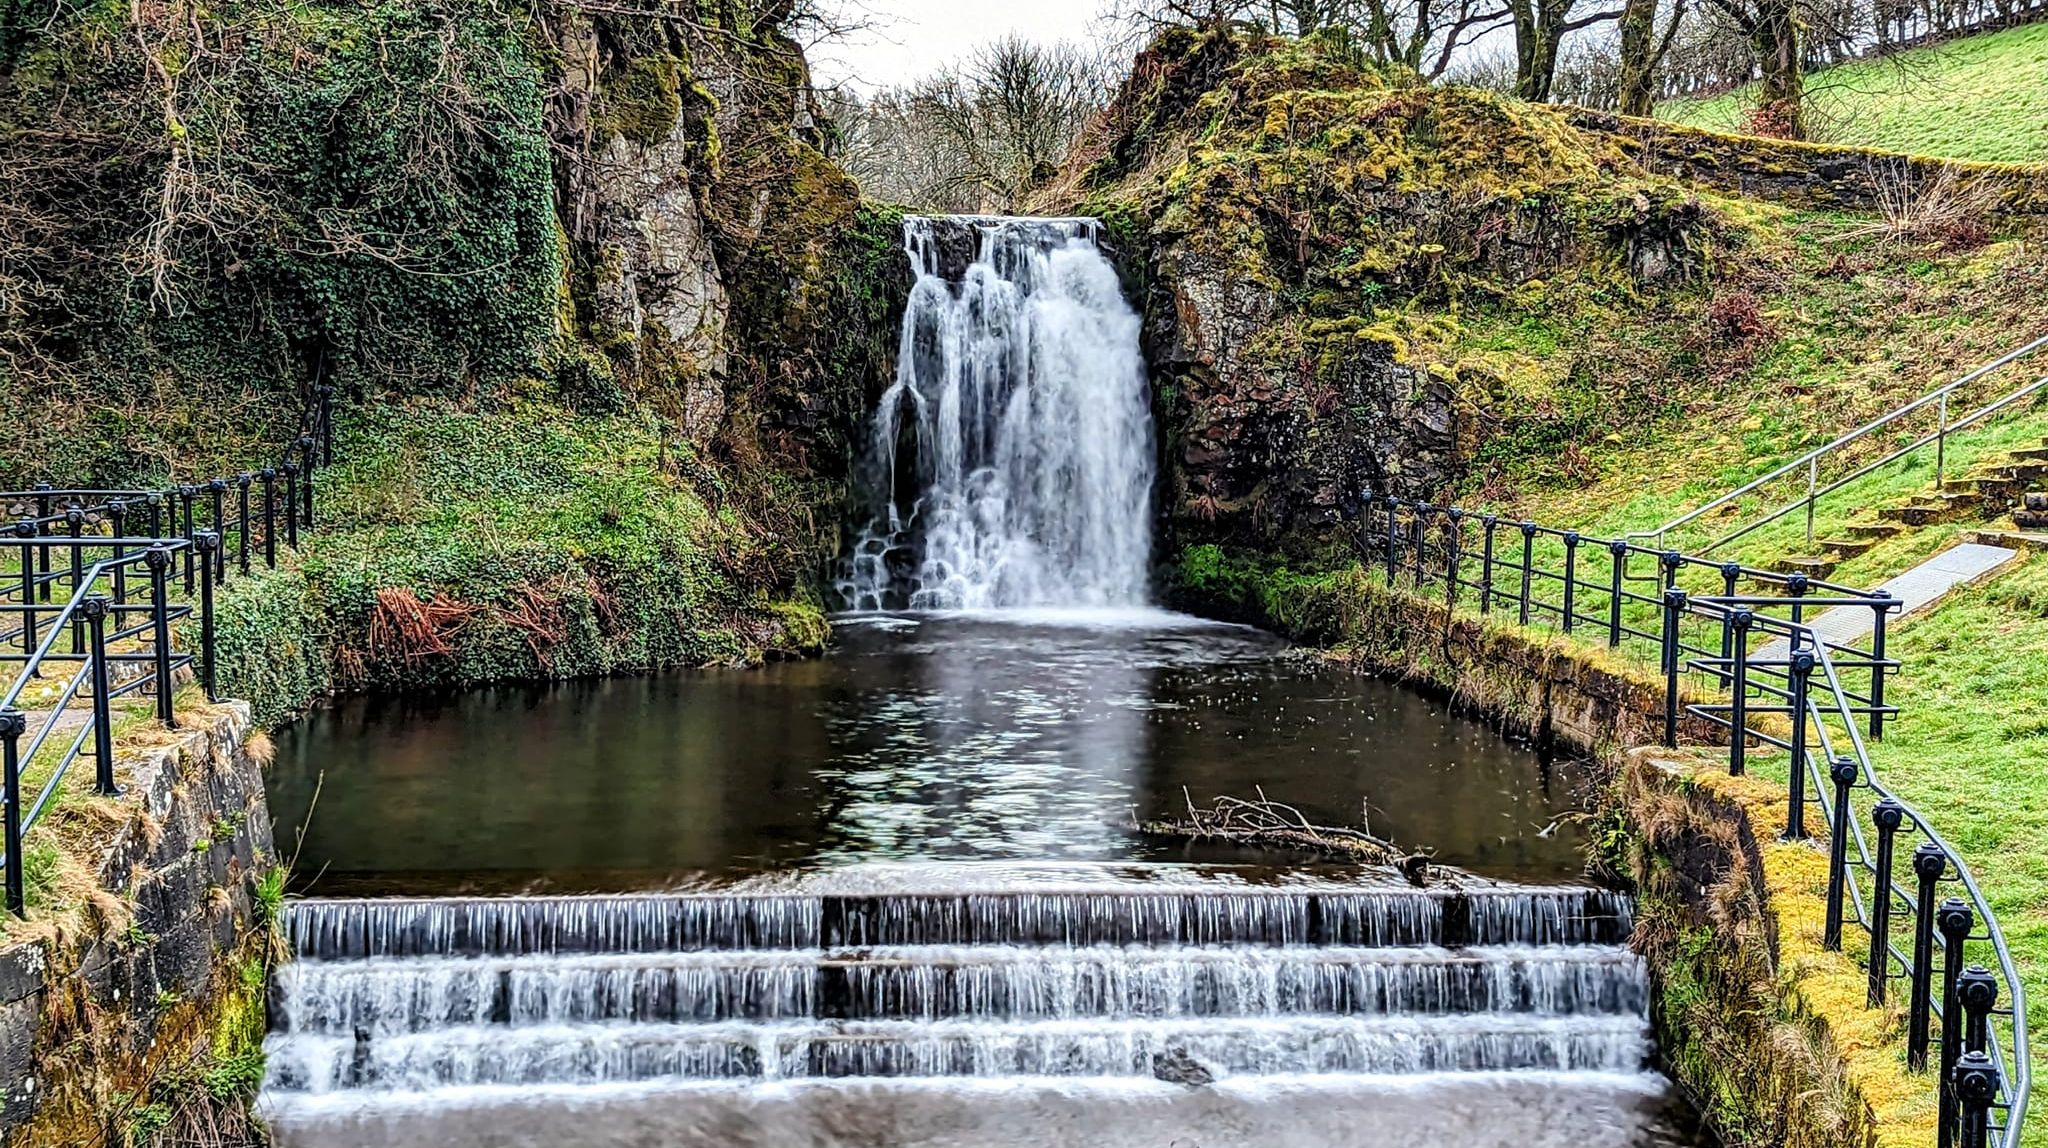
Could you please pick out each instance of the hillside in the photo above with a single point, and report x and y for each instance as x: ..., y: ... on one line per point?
x: 1982, y: 97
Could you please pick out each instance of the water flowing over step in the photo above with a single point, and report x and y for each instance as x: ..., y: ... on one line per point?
x: 419, y: 997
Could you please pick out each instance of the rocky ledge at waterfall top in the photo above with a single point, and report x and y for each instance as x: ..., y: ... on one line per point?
x: 1309, y: 240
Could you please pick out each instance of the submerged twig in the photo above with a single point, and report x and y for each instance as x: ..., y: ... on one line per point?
x: 1266, y: 823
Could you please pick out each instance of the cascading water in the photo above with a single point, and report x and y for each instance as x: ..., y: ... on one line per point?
x: 944, y: 1018
x: 1011, y: 460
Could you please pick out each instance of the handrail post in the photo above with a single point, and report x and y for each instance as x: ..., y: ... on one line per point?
x: 1796, y: 587
x: 1941, y: 446
x: 209, y: 546
x: 1571, y: 564
x: 1955, y: 920
x: 1888, y: 815
x: 1978, y: 991
x: 74, y: 526
x: 1528, y: 558
x: 1674, y: 656
x: 306, y: 478
x: 217, y: 488
x: 1619, y: 549
x: 1843, y: 772
x: 1812, y: 486
x: 1486, y: 566
x: 155, y: 502
x: 1730, y: 571
x: 158, y: 559
x: 270, y: 517
x: 1977, y: 1086
x: 95, y: 609
x: 242, y: 481
x: 1929, y: 863
x: 326, y: 424
x: 26, y: 530
x: 1671, y: 561
x: 117, y: 522
x: 13, y: 723
x: 43, y: 553
x: 185, y: 494
x: 1883, y: 610
x: 1738, y: 698
x: 1454, y: 523
x: 291, y: 504
x: 1419, y: 529
x: 1802, y: 681
x: 1392, y: 503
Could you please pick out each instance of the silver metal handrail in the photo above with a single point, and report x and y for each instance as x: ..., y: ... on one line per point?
x: 1810, y: 461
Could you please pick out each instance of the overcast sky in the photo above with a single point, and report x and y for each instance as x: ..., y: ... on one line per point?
x: 915, y: 37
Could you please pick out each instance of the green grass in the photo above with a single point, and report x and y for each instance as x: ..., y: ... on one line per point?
x: 1983, y: 97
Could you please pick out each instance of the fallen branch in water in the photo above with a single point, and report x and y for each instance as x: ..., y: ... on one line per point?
x: 1270, y: 824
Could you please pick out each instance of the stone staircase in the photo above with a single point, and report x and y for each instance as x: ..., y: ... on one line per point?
x: 2010, y: 485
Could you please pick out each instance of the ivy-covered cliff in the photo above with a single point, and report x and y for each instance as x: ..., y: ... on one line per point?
x: 600, y: 312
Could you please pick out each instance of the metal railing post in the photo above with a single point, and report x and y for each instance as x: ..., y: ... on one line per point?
x: 74, y: 526
x: 1802, y: 680
x: 26, y: 531
x: 1976, y: 1086
x: 1730, y: 571
x: 1674, y: 657
x: 270, y: 517
x: 1620, y: 551
x: 291, y: 505
x: 216, y: 489
x: 1941, y: 445
x: 1419, y: 529
x: 43, y: 553
x: 1883, y: 609
x: 1738, y: 698
x: 96, y: 608
x: 1888, y: 815
x: 186, y: 532
x: 1812, y: 487
x: 326, y: 424
x: 1843, y: 772
x: 1528, y: 559
x: 1454, y: 524
x: 1955, y: 921
x: 1796, y: 587
x: 117, y: 521
x: 1571, y: 576
x: 242, y: 481
x: 13, y: 723
x: 1929, y: 863
x: 209, y: 545
x: 1671, y: 561
x: 155, y: 502
x: 1486, y: 566
x: 1391, y: 529
x: 158, y: 559
x: 306, y: 473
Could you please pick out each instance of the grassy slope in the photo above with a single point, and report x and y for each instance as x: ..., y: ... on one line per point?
x: 1983, y: 97
x: 1968, y: 749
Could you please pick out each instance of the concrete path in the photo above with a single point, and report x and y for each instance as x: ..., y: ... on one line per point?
x: 1916, y: 590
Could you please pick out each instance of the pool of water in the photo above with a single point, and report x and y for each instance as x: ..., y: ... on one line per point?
x: 1003, y: 737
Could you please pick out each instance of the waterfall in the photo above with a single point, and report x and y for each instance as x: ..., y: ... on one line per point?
x: 1011, y: 460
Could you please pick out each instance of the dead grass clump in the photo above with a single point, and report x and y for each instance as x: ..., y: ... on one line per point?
x: 1950, y: 211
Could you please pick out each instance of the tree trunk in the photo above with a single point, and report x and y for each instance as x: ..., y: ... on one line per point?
x: 1539, y: 31
x: 1782, y: 94
x: 1638, y: 69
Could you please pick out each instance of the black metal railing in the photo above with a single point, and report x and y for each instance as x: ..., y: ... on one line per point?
x: 100, y: 592
x: 1773, y: 670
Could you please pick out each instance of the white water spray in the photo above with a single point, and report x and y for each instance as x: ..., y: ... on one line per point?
x: 1021, y: 391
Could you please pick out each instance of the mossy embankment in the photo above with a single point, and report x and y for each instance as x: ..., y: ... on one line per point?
x: 601, y: 316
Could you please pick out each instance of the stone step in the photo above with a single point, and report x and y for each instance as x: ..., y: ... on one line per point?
x: 1843, y: 549
x: 2010, y: 540
x: 1934, y: 509
x: 1876, y: 531
x: 1811, y: 567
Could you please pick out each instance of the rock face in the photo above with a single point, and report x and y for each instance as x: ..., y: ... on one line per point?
x: 1308, y: 235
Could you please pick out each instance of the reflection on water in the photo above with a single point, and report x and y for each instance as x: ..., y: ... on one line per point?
x: 1007, y: 737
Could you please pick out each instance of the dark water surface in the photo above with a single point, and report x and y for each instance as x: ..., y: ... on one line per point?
x: 1007, y: 737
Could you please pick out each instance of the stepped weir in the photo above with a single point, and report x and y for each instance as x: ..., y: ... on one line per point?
x: 418, y: 1004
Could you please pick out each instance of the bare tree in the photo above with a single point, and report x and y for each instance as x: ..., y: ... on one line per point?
x: 1643, y: 50
x: 978, y: 136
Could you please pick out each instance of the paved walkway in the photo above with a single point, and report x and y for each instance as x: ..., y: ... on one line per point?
x: 1916, y: 590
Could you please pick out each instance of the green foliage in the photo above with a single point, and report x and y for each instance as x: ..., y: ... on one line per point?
x: 644, y: 102
x: 271, y: 642
x: 40, y: 861
x: 1258, y: 590
x: 1982, y: 97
